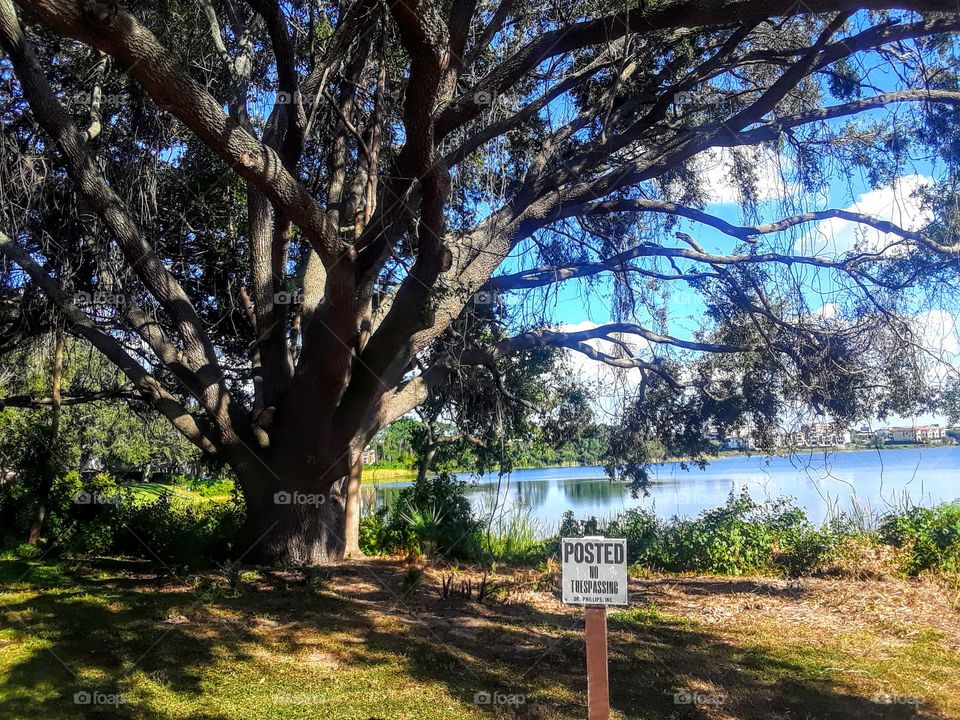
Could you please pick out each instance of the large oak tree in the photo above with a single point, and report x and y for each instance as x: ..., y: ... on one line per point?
x: 276, y: 217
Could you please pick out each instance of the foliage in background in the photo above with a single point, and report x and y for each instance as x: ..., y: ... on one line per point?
x: 931, y: 537
x: 93, y: 515
x: 739, y: 538
x: 117, y: 435
x: 433, y: 515
x: 744, y: 537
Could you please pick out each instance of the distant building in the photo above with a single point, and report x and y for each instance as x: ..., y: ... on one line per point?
x: 739, y: 442
x: 92, y: 465
x: 916, y: 434
x: 370, y: 455
x: 822, y: 435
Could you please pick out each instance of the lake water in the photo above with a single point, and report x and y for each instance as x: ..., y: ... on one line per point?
x: 820, y: 482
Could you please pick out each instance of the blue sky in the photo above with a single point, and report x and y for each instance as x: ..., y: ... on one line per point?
x: 578, y: 303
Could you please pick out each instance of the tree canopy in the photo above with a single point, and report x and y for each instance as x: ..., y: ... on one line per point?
x: 289, y: 223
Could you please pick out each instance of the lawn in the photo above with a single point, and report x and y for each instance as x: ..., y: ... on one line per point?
x: 148, y: 491
x: 375, y: 474
x: 375, y: 640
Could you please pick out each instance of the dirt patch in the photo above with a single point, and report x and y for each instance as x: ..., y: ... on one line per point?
x: 898, y: 608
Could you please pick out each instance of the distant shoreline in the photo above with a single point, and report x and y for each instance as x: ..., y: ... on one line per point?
x: 389, y: 475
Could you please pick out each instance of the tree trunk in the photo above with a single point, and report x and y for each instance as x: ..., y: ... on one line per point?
x: 296, y: 510
x: 293, y: 527
x: 352, y: 511
x: 426, y: 461
x: 48, y: 468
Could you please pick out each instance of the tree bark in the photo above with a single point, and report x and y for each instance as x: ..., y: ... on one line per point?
x: 352, y: 511
x: 426, y: 461
x: 296, y: 528
x: 296, y: 503
x: 48, y: 468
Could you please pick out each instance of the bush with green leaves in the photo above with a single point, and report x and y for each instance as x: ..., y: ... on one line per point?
x: 645, y: 534
x: 807, y: 551
x: 81, y: 517
x: 930, y: 537
x: 729, y: 540
x: 433, y: 516
x: 87, y: 512
x: 179, y: 531
x: 740, y: 537
x: 94, y: 515
x: 374, y: 538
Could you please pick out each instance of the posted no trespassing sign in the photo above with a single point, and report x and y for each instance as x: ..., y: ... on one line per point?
x: 594, y: 570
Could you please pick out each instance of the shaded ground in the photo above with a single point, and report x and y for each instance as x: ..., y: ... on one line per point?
x: 355, y: 645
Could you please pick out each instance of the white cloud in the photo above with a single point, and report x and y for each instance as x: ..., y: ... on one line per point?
x: 607, y: 382
x: 895, y: 204
x: 827, y: 311
x: 940, y: 331
x: 716, y: 167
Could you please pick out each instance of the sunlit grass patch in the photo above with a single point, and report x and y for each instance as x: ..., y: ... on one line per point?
x: 275, y: 648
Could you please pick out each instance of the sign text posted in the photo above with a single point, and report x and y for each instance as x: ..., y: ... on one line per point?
x: 594, y: 571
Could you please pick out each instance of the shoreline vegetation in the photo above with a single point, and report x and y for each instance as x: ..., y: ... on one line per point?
x: 376, y: 474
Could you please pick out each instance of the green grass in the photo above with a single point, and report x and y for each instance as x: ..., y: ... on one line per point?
x: 148, y: 491
x: 375, y: 474
x: 277, y: 647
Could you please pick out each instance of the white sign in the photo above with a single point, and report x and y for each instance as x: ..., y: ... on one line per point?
x: 594, y: 571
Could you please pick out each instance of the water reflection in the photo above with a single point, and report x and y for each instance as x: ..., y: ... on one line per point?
x: 874, y: 481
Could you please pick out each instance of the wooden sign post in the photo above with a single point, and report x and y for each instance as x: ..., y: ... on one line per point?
x: 595, y: 575
x: 598, y: 686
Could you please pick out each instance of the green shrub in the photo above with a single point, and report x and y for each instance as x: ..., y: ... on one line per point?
x: 571, y: 527
x: 180, y: 532
x: 81, y: 513
x: 91, y: 516
x: 807, y: 551
x: 645, y: 534
x: 433, y: 515
x: 374, y: 536
x: 88, y: 513
x: 930, y: 537
x: 740, y: 537
x: 729, y: 540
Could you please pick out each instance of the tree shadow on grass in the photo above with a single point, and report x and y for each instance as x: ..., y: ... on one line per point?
x: 93, y: 632
x: 84, y: 637
x: 659, y: 667
x: 726, y: 586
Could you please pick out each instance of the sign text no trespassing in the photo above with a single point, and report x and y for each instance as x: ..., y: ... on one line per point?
x: 594, y: 570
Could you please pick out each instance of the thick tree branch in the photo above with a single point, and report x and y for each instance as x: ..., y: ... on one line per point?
x: 173, y: 89
x: 124, y: 392
x: 144, y: 382
x: 199, y: 355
